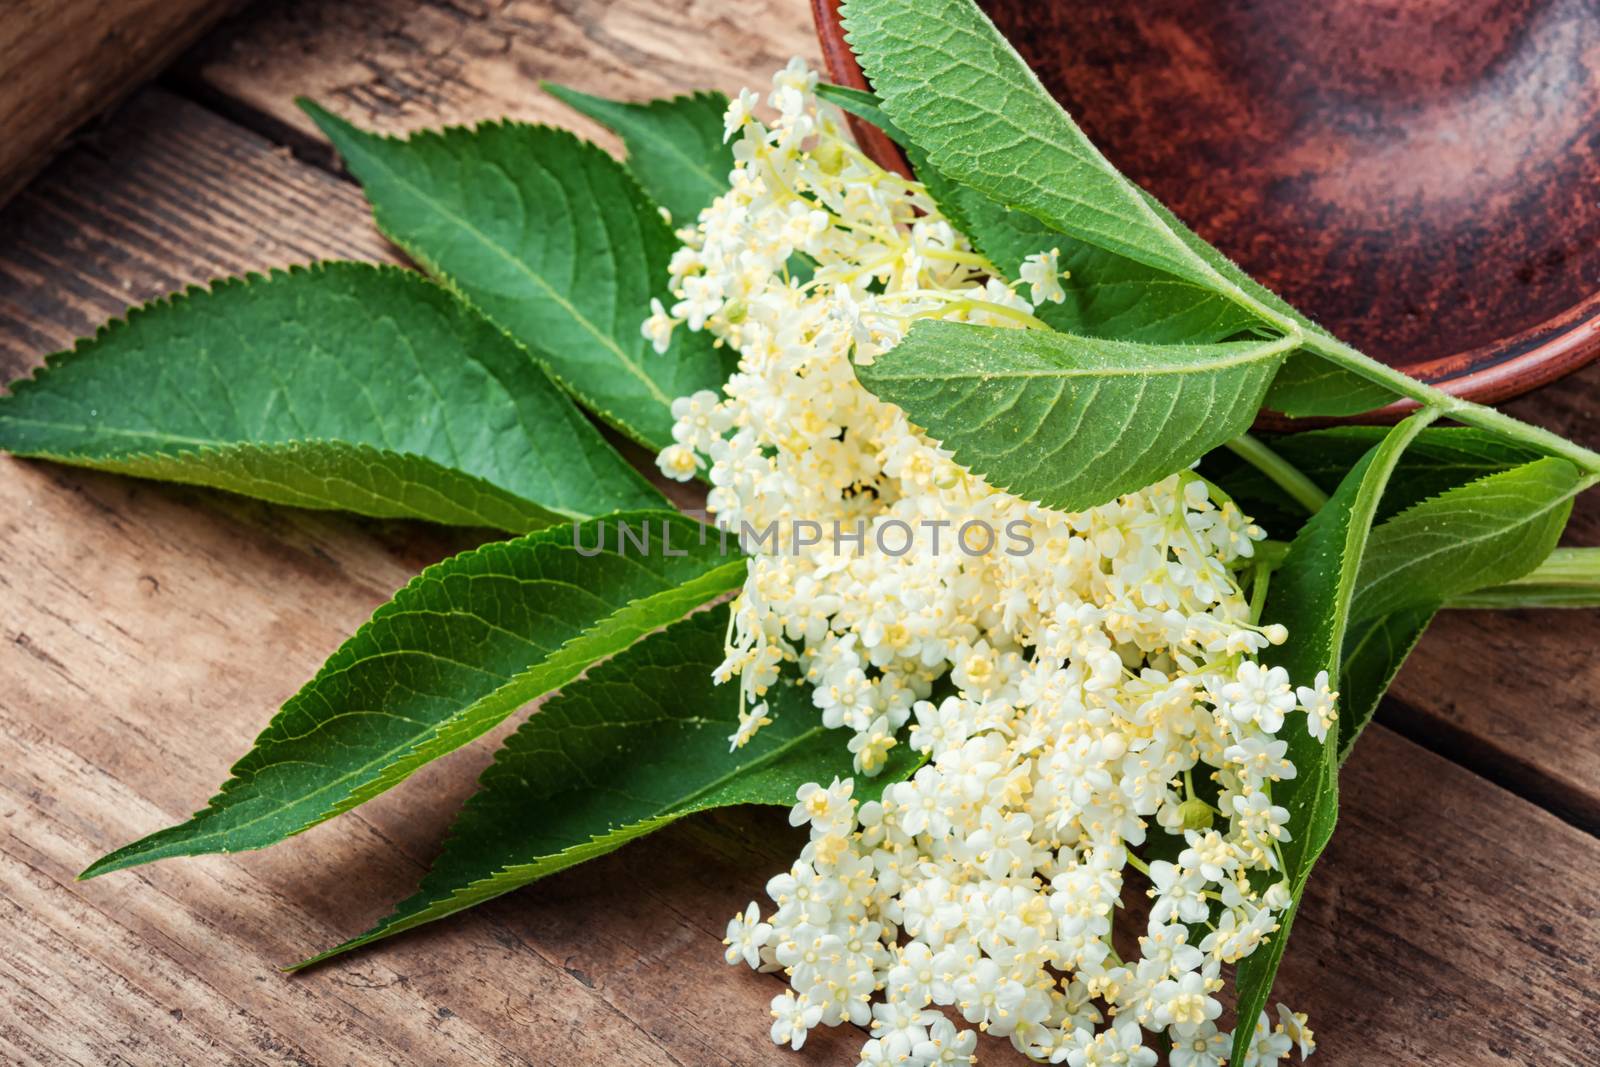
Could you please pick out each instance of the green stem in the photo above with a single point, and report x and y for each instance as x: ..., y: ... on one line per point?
x: 1138, y: 864
x: 1279, y: 471
x: 1568, y: 578
x: 1462, y: 411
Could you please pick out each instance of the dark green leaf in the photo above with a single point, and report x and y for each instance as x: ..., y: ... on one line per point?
x: 1311, y: 595
x: 462, y: 646
x: 1071, y: 421
x: 553, y: 240
x: 952, y: 83
x: 675, y: 147
x: 638, y: 743
x: 1374, y: 650
x: 1480, y: 534
x: 1440, y: 457
x: 343, y: 385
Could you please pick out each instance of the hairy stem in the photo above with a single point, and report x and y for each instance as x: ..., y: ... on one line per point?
x: 1279, y: 471
x: 1462, y: 411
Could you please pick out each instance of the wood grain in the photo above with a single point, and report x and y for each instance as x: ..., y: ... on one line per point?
x: 64, y: 61
x: 397, y: 65
x: 147, y: 631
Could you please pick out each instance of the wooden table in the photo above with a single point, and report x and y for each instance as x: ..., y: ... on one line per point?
x: 149, y: 631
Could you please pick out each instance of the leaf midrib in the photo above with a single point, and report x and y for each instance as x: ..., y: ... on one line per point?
x: 1209, y: 366
x: 605, y: 339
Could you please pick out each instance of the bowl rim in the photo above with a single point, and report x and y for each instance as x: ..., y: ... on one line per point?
x: 1486, y: 374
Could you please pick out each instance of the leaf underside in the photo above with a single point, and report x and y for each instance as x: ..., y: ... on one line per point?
x: 343, y: 385
x: 551, y: 239
x: 641, y: 741
x: 462, y: 646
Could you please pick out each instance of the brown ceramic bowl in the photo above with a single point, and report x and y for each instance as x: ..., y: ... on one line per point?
x: 1420, y: 176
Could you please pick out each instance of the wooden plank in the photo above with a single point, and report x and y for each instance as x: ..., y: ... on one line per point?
x: 1450, y: 922
x: 163, y: 196
x: 397, y: 65
x: 64, y: 61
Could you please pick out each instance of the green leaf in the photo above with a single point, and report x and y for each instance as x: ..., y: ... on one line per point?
x: 1071, y: 421
x: 1374, y: 650
x: 555, y: 242
x: 462, y: 646
x: 1311, y: 595
x: 952, y: 83
x: 1107, y: 295
x: 342, y: 385
x: 1568, y: 578
x: 1441, y: 457
x: 1310, y: 386
x: 638, y: 743
x: 675, y: 147
x: 1480, y: 534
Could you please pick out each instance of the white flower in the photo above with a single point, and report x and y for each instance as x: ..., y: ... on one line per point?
x: 746, y: 936
x: 1185, y: 1004
x: 1083, y: 689
x: 1042, y: 271
x: 1318, y: 701
x: 1267, y: 1046
x: 947, y: 1045
x: 1293, y: 1025
x: 1120, y: 1046
x: 658, y: 328
x: 1263, y: 696
x: 738, y: 114
x: 791, y: 1018
x: 829, y: 810
x: 1204, y: 1047
x: 678, y: 462
x: 751, y: 719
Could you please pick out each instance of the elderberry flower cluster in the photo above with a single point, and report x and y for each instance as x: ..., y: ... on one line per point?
x: 1093, y: 717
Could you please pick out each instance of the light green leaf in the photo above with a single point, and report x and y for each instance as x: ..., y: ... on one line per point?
x: 1480, y: 534
x: 1311, y: 595
x: 1309, y: 386
x: 1071, y: 421
x: 1568, y: 578
x: 342, y: 385
x: 638, y: 743
x: 555, y: 242
x: 1107, y: 295
x: 675, y: 147
x: 1374, y: 650
x: 462, y: 646
x: 953, y: 84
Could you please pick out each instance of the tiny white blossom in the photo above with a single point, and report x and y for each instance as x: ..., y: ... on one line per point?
x: 1293, y: 1025
x: 1083, y: 690
x: 657, y: 329
x: 1042, y: 272
x: 791, y: 1019
x: 738, y: 113
x: 1319, y: 703
x: 746, y: 936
